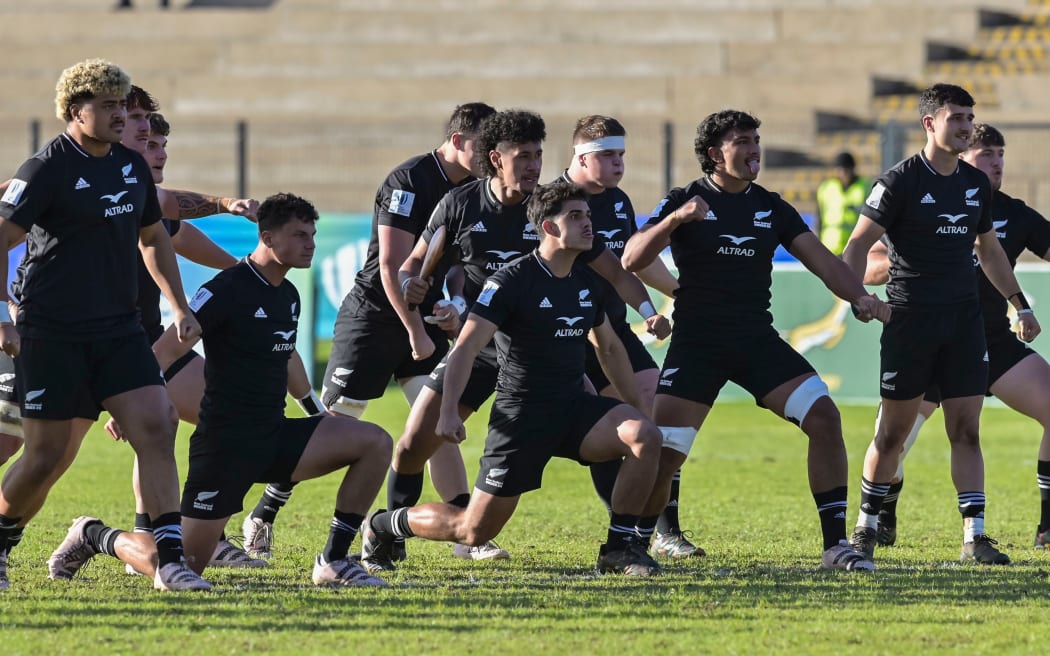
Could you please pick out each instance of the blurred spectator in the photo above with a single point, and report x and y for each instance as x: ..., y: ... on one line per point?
x: 839, y: 199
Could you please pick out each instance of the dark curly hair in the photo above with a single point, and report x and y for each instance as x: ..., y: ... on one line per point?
x: 713, y: 129
x: 548, y: 200
x: 513, y: 126
x: 279, y: 209
x: 942, y: 94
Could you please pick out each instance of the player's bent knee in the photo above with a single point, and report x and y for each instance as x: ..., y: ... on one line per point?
x: 802, y: 399
x: 348, y: 407
x: 678, y: 438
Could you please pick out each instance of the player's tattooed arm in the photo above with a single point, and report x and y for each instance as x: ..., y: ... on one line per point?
x: 181, y: 205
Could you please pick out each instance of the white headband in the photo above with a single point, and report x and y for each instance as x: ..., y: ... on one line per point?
x: 598, y: 145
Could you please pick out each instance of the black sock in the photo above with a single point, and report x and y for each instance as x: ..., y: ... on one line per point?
x: 393, y: 521
x: 102, y: 538
x: 167, y: 533
x: 603, y: 476
x: 403, y: 490
x: 888, y: 513
x: 621, y: 529
x: 831, y: 506
x: 273, y: 499
x: 460, y: 501
x: 1042, y: 469
x: 341, y: 535
x: 668, y: 521
x: 142, y: 523
x: 871, y: 498
x: 8, y: 531
x: 644, y: 528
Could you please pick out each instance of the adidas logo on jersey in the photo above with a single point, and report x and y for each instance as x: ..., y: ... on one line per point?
x: 545, y: 303
x: 260, y: 314
x: 81, y: 184
x: 478, y: 227
x: 710, y: 216
x: 927, y: 200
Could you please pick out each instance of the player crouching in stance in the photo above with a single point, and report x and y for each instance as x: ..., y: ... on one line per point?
x: 544, y: 307
x: 249, y: 315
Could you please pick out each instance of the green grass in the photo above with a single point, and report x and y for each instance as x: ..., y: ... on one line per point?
x: 744, y: 492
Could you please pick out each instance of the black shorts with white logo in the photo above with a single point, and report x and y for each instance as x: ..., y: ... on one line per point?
x: 482, y: 381
x: 524, y: 436
x: 62, y: 380
x: 639, y: 356
x: 366, y: 354
x: 1005, y: 351
x: 701, y: 360
x: 943, y: 348
x: 8, y: 388
x: 225, y: 463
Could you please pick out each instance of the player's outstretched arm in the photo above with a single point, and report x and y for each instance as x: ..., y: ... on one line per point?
x: 631, y: 290
x: 997, y: 268
x: 195, y: 246
x: 159, y: 256
x: 865, y: 234
x: 657, y: 276
x: 838, y: 277
x: 476, y: 333
x: 180, y: 205
x: 617, y: 366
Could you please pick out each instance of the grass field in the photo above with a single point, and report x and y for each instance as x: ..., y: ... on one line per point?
x: 744, y: 492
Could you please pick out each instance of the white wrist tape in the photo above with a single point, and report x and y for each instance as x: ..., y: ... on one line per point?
x: 310, y: 404
x: 598, y: 145
x: 460, y: 304
x: 646, y: 309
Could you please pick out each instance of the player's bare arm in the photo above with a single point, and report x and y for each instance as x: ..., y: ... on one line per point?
x: 159, y: 257
x: 180, y: 205
x: 195, y: 246
x: 646, y: 245
x: 838, y: 277
x: 865, y: 234
x: 476, y: 333
x: 878, y: 271
x: 616, y: 365
x: 631, y: 290
x: 10, y: 234
x: 395, y: 246
x: 657, y: 276
x: 413, y: 288
x: 997, y: 267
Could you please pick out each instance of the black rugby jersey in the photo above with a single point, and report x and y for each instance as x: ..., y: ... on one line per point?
x: 612, y: 220
x: 725, y: 262
x: 149, y: 292
x: 484, y: 234
x: 248, y: 329
x: 404, y: 201
x: 543, y: 323
x: 931, y: 223
x: 82, y: 215
x: 1018, y: 227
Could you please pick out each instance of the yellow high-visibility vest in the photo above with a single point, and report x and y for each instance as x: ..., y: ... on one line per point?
x: 839, y: 210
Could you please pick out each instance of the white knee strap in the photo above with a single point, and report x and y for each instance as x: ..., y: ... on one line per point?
x: 412, y: 387
x: 803, y: 398
x: 349, y: 407
x: 678, y: 438
x: 10, y: 419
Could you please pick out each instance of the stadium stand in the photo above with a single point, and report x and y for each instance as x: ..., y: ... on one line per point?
x: 336, y: 91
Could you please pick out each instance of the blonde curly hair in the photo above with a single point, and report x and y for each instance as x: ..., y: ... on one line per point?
x: 86, y: 80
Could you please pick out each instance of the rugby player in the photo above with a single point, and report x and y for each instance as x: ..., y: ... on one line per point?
x: 935, y: 210
x: 84, y: 202
x: 723, y: 230
x: 543, y: 306
x: 1017, y: 375
x: 249, y: 315
x: 376, y: 336
x: 599, y: 146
